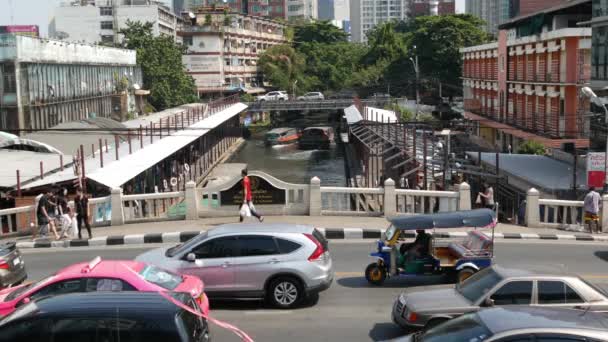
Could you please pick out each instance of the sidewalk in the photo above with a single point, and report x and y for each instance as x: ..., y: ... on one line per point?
x: 334, y: 227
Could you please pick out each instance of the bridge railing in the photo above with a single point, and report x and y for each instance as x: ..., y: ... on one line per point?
x: 352, y: 201
x: 425, y: 201
x: 154, y: 207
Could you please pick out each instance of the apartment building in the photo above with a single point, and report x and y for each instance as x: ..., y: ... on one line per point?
x: 366, y: 14
x: 47, y: 82
x: 275, y: 9
x: 298, y: 10
x: 223, y: 50
x: 526, y: 86
x: 432, y: 7
x: 98, y: 21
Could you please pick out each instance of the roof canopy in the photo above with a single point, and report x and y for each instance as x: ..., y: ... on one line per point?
x: 479, y: 218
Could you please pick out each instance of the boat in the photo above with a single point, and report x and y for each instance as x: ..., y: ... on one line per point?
x: 281, y: 136
x: 316, y: 138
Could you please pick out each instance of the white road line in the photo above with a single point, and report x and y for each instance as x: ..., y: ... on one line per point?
x: 172, y: 237
x: 353, y: 233
x: 529, y: 236
x: 134, y: 239
x: 565, y: 237
x: 98, y: 241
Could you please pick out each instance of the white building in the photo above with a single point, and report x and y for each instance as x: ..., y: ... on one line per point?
x: 302, y: 9
x: 223, y: 50
x: 99, y: 21
x: 366, y: 14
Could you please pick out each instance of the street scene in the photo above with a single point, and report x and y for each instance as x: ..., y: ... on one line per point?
x: 303, y: 170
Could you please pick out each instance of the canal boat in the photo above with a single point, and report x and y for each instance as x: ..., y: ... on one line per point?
x: 316, y: 138
x: 281, y: 136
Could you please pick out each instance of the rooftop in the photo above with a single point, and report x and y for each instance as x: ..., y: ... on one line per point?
x: 564, y: 7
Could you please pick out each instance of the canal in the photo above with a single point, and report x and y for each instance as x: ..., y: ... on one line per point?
x: 290, y: 164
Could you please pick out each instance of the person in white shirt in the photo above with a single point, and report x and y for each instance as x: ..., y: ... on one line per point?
x: 592, y: 209
x: 487, y: 196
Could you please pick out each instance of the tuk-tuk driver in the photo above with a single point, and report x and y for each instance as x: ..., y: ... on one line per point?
x: 417, y: 249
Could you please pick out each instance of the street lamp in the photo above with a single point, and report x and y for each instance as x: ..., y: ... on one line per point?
x: 414, y: 61
x: 598, y: 102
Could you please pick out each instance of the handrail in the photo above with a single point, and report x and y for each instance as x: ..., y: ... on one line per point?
x: 158, y: 195
x: 339, y: 190
x: 561, y: 203
x: 427, y: 193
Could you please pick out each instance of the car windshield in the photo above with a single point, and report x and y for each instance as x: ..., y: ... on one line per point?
x: 479, y: 284
x: 160, y: 277
x: 186, y: 246
x: 15, y: 294
x: 390, y: 232
x: 468, y: 327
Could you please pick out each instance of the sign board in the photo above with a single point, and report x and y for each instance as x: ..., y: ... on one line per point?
x: 263, y: 193
x: 596, y: 169
x: 23, y: 30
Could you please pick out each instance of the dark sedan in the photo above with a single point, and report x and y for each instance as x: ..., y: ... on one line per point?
x: 12, y: 267
x: 519, y: 324
x: 424, y: 308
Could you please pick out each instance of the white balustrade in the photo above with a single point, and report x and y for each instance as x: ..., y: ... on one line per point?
x: 560, y: 213
x: 154, y: 207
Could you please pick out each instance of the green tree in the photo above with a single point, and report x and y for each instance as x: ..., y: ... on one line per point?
x: 531, y: 147
x: 318, y: 32
x: 160, y: 59
x: 282, y: 66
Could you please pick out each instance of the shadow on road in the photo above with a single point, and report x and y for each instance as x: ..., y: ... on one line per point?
x: 396, y: 282
x: 386, y: 331
x: 602, y: 255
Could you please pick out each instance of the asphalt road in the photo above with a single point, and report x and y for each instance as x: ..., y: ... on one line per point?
x: 350, y: 310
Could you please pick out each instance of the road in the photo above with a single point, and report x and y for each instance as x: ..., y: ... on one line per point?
x: 350, y: 310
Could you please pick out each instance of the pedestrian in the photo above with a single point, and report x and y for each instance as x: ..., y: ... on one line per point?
x: 248, y: 198
x: 81, y: 203
x: 592, y: 209
x: 487, y: 196
x: 66, y: 213
x: 44, y: 213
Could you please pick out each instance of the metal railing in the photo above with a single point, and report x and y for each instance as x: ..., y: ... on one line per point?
x: 316, y: 104
x: 154, y: 207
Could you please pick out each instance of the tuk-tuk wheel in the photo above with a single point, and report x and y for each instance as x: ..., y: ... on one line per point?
x: 375, y: 274
x: 465, y: 274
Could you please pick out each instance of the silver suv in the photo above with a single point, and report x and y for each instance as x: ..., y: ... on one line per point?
x: 282, y: 263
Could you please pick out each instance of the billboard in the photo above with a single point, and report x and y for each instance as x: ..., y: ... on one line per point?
x: 596, y: 169
x: 23, y: 30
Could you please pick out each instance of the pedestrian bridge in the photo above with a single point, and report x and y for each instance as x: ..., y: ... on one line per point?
x: 292, y: 105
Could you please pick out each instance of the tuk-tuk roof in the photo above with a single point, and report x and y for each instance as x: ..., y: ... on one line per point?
x: 478, y: 218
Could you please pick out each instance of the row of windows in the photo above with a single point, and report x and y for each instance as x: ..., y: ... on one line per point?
x: 107, y: 25
x: 231, y: 246
x: 599, y: 59
x: 105, y: 11
x: 549, y: 292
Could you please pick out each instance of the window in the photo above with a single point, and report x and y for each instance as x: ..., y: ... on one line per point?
x: 286, y: 246
x: 8, y: 81
x: 107, y: 25
x: 188, y: 40
x: 109, y: 329
x: 223, y: 247
x: 515, y: 292
x: 26, y: 331
x: 107, y: 284
x: 107, y: 39
x: 105, y: 10
x: 257, y: 245
x: 160, y: 277
x: 58, y: 288
x: 192, y: 325
x: 556, y: 292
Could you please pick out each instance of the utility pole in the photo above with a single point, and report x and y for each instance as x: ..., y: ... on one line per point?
x: 417, y: 70
x: 115, y: 21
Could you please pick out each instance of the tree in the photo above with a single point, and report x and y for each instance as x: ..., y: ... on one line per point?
x: 318, y: 32
x: 160, y: 59
x: 531, y: 147
x: 283, y: 66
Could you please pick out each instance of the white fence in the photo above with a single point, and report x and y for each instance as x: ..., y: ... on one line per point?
x: 154, y: 207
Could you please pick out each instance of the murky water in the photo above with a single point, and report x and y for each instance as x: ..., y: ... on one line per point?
x: 290, y: 164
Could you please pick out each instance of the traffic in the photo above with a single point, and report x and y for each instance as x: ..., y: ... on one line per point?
x: 165, y: 293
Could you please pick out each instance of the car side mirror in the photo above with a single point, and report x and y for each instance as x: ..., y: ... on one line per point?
x: 489, y: 302
x: 23, y: 302
x: 191, y: 257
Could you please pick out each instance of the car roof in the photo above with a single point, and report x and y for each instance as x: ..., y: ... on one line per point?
x: 89, y: 304
x: 505, y: 318
x: 260, y: 228
x: 105, y: 268
x: 506, y: 272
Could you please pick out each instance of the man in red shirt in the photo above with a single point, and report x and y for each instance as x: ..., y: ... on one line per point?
x: 248, y: 198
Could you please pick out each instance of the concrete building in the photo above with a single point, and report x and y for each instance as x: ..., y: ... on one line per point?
x: 275, y: 9
x: 334, y: 10
x: 302, y: 10
x: 99, y: 21
x: 223, y: 50
x: 46, y: 82
x: 432, y: 7
x: 366, y: 14
x: 526, y: 86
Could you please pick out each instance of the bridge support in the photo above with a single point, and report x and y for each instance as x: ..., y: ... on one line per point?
x: 118, y: 214
x: 390, y: 198
x: 464, y: 196
x: 532, y: 208
x: 315, y: 197
x: 191, y: 201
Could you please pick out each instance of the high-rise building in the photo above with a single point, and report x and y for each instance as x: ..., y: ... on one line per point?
x: 302, y: 10
x: 99, y: 21
x: 366, y: 14
x: 432, y: 7
x: 334, y: 10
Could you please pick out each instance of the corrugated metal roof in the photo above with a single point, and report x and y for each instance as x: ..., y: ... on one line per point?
x: 28, y: 164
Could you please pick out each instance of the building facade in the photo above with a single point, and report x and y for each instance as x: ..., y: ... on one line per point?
x: 302, y: 10
x: 366, y: 14
x: 223, y: 50
x: 432, y: 7
x: 99, y: 21
x: 334, y: 10
x: 526, y: 86
x: 275, y: 9
x: 46, y: 82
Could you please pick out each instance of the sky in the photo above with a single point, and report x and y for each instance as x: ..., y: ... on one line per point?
x: 39, y: 12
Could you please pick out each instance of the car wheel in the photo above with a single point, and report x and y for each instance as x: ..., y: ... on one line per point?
x: 465, y: 274
x: 281, y: 99
x: 284, y: 292
x: 375, y: 274
x: 433, y: 323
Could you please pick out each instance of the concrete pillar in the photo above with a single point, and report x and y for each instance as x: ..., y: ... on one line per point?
x: 464, y: 196
x: 315, y: 197
x: 604, y: 213
x: 532, y: 208
x: 191, y: 201
x: 118, y: 215
x: 390, y: 198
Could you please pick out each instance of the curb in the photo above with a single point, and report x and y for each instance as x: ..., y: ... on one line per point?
x: 330, y: 233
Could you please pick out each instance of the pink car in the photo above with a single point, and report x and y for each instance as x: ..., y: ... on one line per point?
x: 104, y: 275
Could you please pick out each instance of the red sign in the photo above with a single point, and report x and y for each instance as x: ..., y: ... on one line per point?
x: 596, y: 169
x: 25, y: 30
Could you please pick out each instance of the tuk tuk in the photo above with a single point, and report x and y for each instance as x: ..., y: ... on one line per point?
x: 457, y: 259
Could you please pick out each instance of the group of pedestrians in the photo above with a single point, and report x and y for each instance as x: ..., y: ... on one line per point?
x: 52, y: 208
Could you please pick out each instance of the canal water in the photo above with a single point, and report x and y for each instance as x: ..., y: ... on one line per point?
x: 290, y: 164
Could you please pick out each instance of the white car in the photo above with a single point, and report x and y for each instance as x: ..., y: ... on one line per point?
x: 274, y: 96
x: 314, y: 95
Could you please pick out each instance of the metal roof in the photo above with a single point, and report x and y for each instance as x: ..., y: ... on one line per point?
x: 478, y: 218
x: 28, y: 164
